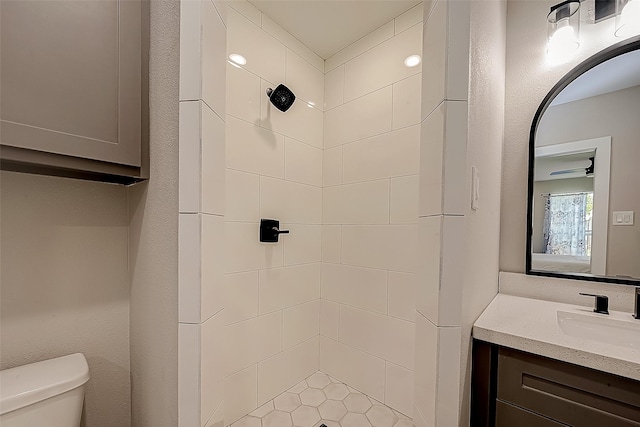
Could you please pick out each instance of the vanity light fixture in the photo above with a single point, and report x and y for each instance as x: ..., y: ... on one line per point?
x: 627, y: 18
x: 412, y: 61
x: 563, y: 29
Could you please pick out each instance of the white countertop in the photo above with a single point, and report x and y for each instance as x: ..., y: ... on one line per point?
x: 531, y: 325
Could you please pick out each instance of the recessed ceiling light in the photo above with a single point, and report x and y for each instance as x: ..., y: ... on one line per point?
x: 238, y: 59
x: 412, y: 60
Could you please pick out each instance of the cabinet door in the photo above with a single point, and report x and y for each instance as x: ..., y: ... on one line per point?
x: 569, y: 394
x: 71, y: 78
x: 511, y: 416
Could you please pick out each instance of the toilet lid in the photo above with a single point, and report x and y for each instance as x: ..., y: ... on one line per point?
x: 28, y: 384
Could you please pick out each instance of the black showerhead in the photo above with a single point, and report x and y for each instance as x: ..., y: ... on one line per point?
x: 281, y: 97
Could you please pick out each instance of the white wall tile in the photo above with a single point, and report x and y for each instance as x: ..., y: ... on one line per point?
x: 213, y: 162
x: 303, y: 244
x: 383, y: 336
x: 302, y: 163
x: 382, y: 65
x: 212, y: 366
x: 212, y: 264
x: 334, y: 88
x: 399, y: 389
x: 432, y: 163
x: 284, y: 370
x: 428, y: 277
x: 240, y: 296
x: 240, y: 394
x: 214, y: 58
x: 190, y: 65
x: 331, y: 243
x: 329, y: 314
x: 244, y: 251
x: 404, y: 200
x: 292, y: 43
x: 332, y: 166
x: 252, y: 340
x: 305, y: 80
x: 440, y: 286
x: 243, y: 94
x: 250, y: 148
x: 408, y: 19
x: 391, y: 154
x: 189, y: 268
x: 189, y: 156
x: 242, y: 196
x: 290, y: 202
x: 456, y: 195
x: 443, y: 149
x: 300, y: 323
x: 247, y: 10
x: 434, y: 50
x: 301, y: 121
x: 188, y: 374
x: 448, y: 394
x: 363, y: 117
x: 391, y: 247
x: 288, y: 286
x: 458, y: 51
x: 354, y: 367
x: 217, y: 419
x: 406, y: 102
x: 426, y: 372
x: 265, y: 55
x: 402, y: 295
x: 367, y: 42
x: 356, y: 286
x: 362, y: 203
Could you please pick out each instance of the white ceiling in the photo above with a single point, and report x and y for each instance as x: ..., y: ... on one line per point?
x: 327, y: 26
x: 618, y: 73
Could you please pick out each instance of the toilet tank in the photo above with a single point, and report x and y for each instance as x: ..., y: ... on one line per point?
x: 44, y: 394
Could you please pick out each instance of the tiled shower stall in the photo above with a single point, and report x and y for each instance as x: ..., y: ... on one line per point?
x: 360, y: 187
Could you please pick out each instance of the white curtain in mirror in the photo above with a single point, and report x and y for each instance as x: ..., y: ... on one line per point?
x: 567, y: 223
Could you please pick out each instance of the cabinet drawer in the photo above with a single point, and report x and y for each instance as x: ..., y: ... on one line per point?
x: 509, y: 416
x: 567, y: 393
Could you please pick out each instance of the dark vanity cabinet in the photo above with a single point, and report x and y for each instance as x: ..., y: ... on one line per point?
x: 512, y: 388
x: 74, y: 81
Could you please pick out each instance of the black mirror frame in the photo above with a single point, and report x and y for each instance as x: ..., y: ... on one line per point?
x: 604, y: 55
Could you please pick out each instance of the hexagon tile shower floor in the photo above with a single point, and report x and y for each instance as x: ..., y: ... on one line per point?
x: 321, y: 400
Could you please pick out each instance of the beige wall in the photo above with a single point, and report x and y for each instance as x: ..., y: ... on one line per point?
x: 613, y: 114
x: 370, y: 212
x: 529, y: 78
x: 153, y: 239
x: 274, y: 171
x: 65, y: 287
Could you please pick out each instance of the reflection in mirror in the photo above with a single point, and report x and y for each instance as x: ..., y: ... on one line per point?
x: 584, y: 199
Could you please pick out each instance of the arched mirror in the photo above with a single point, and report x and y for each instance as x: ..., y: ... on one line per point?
x: 584, y: 172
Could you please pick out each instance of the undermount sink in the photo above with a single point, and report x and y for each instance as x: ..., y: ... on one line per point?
x: 614, y: 329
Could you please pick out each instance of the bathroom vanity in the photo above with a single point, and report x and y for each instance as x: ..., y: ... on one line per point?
x: 542, y: 363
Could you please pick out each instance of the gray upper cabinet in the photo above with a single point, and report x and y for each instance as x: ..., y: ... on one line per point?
x: 74, y: 88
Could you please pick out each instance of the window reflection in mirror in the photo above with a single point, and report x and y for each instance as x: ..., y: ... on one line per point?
x: 586, y: 168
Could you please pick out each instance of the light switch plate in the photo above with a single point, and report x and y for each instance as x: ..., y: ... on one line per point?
x: 623, y: 218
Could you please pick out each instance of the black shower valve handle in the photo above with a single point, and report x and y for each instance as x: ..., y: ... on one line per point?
x: 276, y: 230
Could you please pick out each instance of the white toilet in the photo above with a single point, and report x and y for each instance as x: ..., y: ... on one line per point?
x: 44, y: 394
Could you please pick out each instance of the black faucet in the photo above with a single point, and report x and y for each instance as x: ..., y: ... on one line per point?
x: 636, y: 310
x: 602, y: 303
